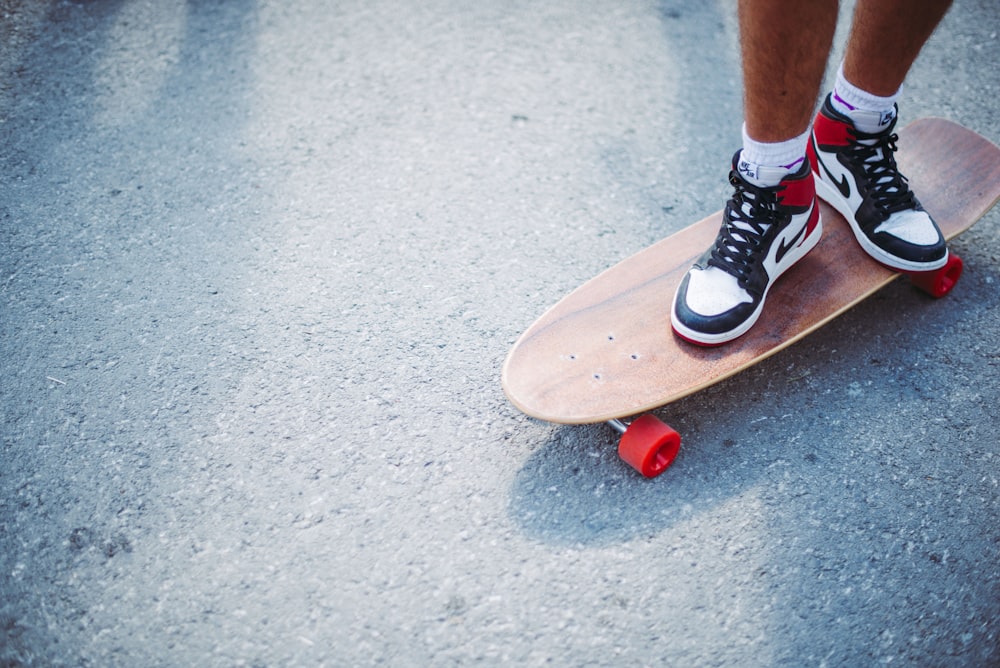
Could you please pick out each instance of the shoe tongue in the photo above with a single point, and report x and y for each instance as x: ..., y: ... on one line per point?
x: 761, y: 176
x: 872, y: 122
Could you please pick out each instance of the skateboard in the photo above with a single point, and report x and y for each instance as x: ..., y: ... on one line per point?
x: 606, y: 351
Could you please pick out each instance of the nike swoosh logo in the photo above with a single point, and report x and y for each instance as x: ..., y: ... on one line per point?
x: 783, y: 247
x: 843, y: 185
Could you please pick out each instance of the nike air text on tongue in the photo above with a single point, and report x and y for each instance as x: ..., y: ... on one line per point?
x: 747, y: 170
x: 762, y: 176
x: 887, y: 117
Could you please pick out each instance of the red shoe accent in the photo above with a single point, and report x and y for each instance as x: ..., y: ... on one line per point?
x: 802, y: 193
x: 799, y: 192
x: 828, y: 132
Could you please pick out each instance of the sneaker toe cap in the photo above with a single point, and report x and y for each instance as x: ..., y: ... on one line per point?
x: 706, y: 304
x: 914, y: 227
x: 712, y: 292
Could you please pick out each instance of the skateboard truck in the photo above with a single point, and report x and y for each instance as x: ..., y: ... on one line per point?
x: 647, y: 444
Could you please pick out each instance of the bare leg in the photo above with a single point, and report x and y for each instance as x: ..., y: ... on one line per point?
x: 886, y: 37
x: 785, y: 48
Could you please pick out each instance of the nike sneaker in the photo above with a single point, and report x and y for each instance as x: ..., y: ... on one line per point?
x: 765, y: 230
x: 856, y: 173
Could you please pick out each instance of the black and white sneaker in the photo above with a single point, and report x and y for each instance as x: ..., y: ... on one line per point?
x: 765, y: 230
x: 856, y: 173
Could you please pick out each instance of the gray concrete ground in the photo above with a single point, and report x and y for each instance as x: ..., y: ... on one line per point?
x: 260, y: 262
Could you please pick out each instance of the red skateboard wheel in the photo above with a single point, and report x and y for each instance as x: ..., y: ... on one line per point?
x: 649, y: 446
x: 939, y: 282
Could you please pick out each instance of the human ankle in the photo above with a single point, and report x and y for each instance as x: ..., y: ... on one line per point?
x: 869, y: 113
x: 765, y: 164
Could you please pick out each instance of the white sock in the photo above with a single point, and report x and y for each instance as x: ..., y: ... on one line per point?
x: 870, y: 113
x: 766, y: 163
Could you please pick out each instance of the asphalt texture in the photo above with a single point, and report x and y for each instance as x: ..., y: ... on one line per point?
x: 261, y: 261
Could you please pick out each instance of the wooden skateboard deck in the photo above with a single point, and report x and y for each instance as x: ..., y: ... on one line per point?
x: 607, y: 351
